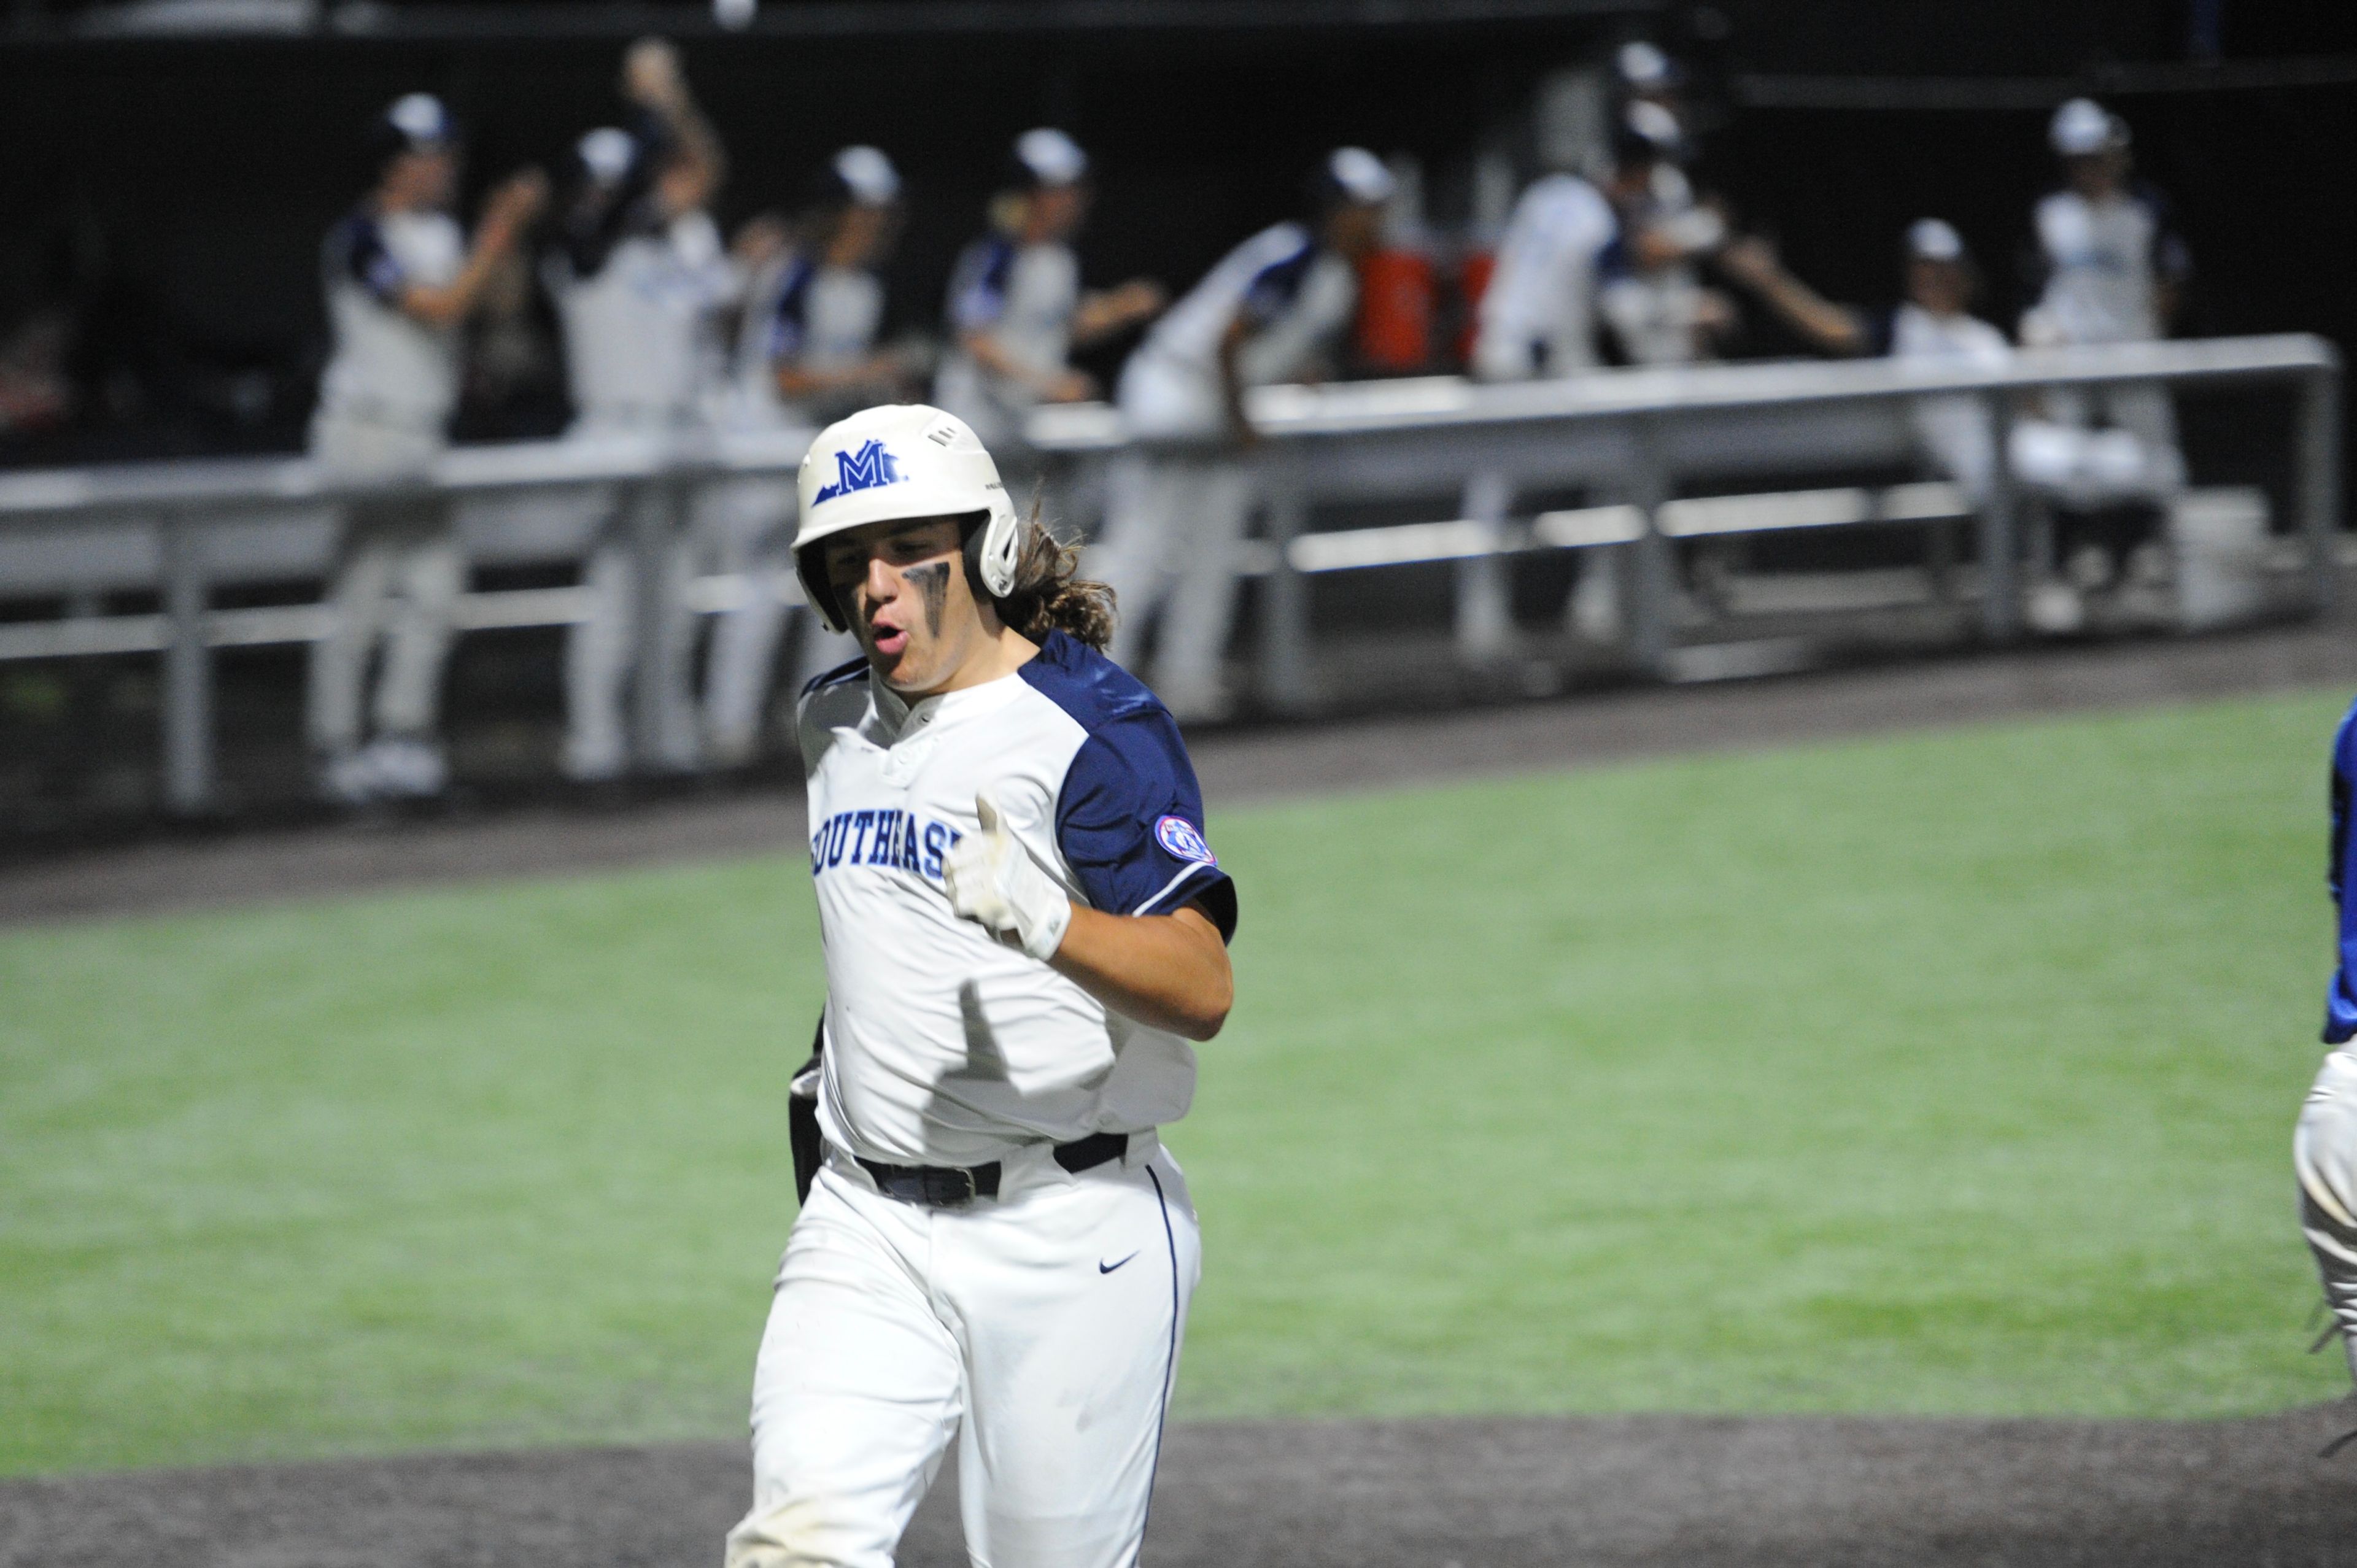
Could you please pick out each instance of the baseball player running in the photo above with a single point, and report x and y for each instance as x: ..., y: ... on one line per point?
x: 401, y: 282
x: 2324, y: 1145
x: 1271, y: 311
x: 1016, y: 308
x: 1022, y: 928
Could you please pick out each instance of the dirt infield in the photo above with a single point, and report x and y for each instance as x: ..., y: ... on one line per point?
x: 193, y: 869
x: 1691, y: 1491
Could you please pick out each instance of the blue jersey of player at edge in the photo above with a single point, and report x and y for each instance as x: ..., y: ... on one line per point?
x: 2340, y: 1003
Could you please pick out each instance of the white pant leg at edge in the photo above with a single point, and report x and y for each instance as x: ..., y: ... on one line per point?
x: 740, y: 525
x: 857, y: 1390
x: 1210, y: 524
x: 1130, y: 556
x: 374, y: 546
x: 431, y: 575
x: 358, y: 603
x: 2324, y: 1153
x: 597, y: 661
x: 1073, y: 1301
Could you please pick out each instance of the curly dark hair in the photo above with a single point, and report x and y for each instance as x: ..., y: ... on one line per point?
x: 1050, y: 593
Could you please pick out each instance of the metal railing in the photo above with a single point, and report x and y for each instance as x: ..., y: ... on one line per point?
x: 1630, y: 439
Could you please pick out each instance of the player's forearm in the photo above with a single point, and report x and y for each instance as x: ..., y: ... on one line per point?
x: 987, y: 352
x: 454, y: 301
x: 1167, y: 972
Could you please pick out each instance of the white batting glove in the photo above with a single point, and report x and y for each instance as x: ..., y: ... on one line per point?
x: 992, y: 879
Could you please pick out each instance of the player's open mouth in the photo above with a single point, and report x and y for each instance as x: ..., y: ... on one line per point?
x: 887, y: 639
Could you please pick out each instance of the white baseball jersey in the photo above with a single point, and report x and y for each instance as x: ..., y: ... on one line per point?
x: 1023, y: 296
x: 1655, y: 315
x: 1298, y: 300
x: 638, y: 322
x: 2103, y: 262
x: 945, y: 1047
x: 390, y: 368
x: 1955, y: 431
x: 803, y: 312
x: 1538, y: 315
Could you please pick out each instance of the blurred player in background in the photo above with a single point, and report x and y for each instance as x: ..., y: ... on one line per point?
x: 1651, y: 298
x: 2114, y: 270
x: 1538, y: 312
x: 1934, y: 325
x: 401, y: 282
x: 805, y: 352
x: 2324, y: 1146
x: 1272, y: 310
x: 1016, y: 308
x: 816, y: 323
x: 639, y: 281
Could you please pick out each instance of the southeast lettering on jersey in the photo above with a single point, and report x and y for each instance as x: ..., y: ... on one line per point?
x: 884, y: 836
x: 866, y: 470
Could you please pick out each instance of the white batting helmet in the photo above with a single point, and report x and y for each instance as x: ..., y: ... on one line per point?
x: 899, y: 461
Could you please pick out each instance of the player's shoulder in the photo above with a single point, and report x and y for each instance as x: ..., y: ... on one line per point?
x: 839, y: 699
x: 986, y: 257
x: 1092, y: 690
x: 1277, y: 244
x: 356, y: 233
x: 2345, y: 744
x: 844, y: 676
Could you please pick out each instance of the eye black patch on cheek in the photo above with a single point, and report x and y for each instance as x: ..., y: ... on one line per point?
x: 932, y: 582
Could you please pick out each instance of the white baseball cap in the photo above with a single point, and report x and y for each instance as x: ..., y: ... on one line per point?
x: 607, y: 152
x: 1359, y: 176
x: 1929, y: 240
x: 419, y: 118
x: 2081, y: 128
x: 1643, y: 66
x: 887, y: 464
x: 1651, y: 127
x: 1049, y: 158
x: 867, y: 175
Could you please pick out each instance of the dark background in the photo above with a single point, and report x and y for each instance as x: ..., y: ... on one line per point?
x: 170, y: 192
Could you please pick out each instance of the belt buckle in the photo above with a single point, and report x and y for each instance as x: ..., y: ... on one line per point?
x: 947, y: 1186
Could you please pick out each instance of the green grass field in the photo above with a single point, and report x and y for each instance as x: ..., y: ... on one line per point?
x: 1948, y: 1073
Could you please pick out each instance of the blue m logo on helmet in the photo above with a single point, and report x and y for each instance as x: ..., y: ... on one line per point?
x: 865, y: 469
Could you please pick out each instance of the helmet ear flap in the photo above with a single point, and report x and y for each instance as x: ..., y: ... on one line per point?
x: 810, y: 565
x: 992, y: 550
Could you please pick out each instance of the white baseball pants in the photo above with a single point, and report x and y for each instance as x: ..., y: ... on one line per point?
x: 1041, y: 1330
x: 398, y: 576
x: 1173, y: 525
x: 2324, y: 1153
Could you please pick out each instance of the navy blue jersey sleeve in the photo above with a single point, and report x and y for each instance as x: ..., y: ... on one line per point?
x: 788, y: 318
x: 356, y: 250
x: 978, y: 285
x: 1130, y: 823
x: 1881, y: 331
x: 1276, y: 286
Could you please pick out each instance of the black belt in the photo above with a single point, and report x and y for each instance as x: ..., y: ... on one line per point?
x: 947, y: 1187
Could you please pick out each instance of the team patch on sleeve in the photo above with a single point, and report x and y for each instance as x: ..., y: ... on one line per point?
x: 1183, y: 839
